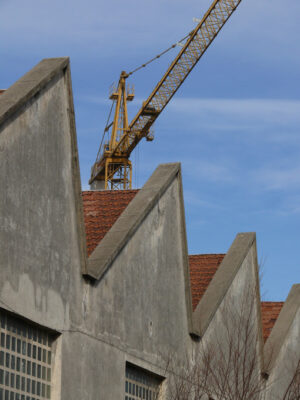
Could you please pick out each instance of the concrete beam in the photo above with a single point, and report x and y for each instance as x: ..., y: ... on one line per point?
x: 281, y: 329
x: 16, y: 101
x: 29, y: 85
x: 126, y: 225
x: 222, y: 281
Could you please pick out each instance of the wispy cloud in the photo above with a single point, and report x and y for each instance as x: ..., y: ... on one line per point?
x: 232, y: 115
x: 279, y: 179
x: 266, y: 110
x: 292, y: 205
x: 107, y: 28
x: 192, y: 198
x: 221, y: 171
x: 95, y: 25
x: 90, y: 99
x: 254, y: 121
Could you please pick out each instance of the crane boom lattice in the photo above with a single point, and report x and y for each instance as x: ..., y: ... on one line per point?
x: 195, y: 46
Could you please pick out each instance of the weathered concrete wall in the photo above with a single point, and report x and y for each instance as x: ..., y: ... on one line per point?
x: 139, y: 310
x: 134, y: 297
x: 282, y: 350
x: 39, y: 245
x: 42, y: 253
x: 137, y: 306
x: 228, y: 318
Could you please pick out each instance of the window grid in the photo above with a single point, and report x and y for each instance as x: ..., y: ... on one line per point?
x: 25, y: 360
x: 140, y: 384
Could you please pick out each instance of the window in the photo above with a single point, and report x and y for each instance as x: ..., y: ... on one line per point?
x: 141, y: 384
x: 25, y: 360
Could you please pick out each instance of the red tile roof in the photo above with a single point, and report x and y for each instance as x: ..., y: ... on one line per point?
x: 202, y: 269
x: 101, y: 210
x: 269, y: 311
x: 2, y: 91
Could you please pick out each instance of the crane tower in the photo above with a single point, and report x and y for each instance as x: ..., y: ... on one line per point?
x: 113, y: 169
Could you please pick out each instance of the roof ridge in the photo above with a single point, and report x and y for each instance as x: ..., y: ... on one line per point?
x: 110, y: 191
x: 116, y: 238
x: 26, y: 87
x: 207, y: 254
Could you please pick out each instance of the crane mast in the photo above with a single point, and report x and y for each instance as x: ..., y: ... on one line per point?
x: 113, y: 169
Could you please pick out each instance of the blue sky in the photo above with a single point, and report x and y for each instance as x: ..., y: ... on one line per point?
x: 234, y: 124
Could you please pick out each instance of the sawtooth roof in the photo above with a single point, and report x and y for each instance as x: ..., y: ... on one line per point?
x: 103, y: 208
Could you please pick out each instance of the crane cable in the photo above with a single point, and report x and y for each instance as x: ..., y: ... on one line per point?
x: 105, y: 129
x: 130, y: 73
x: 158, y: 56
x: 137, y: 156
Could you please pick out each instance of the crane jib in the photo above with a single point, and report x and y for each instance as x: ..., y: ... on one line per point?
x: 115, y: 162
x: 198, y: 42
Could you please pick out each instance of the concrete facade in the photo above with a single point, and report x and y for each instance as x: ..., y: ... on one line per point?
x: 40, y: 225
x: 130, y: 301
x: 282, y: 350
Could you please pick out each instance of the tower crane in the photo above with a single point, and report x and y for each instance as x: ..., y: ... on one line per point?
x: 113, y: 169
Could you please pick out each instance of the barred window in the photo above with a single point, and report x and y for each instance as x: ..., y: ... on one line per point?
x: 141, y: 384
x: 25, y: 360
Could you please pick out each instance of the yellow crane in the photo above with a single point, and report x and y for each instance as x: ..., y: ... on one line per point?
x: 113, y: 169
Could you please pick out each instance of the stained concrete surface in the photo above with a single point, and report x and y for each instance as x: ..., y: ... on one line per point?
x: 140, y: 309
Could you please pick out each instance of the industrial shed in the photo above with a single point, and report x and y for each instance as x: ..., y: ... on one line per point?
x: 98, y: 292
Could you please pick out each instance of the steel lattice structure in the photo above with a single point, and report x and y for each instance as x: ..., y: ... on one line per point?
x: 115, y: 158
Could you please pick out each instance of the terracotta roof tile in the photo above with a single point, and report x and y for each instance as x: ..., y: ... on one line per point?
x: 101, y: 210
x: 202, y: 269
x: 2, y: 91
x: 270, y: 311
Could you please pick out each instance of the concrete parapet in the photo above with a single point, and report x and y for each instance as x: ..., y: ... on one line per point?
x: 222, y: 281
x: 282, y: 328
x: 123, y: 229
x: 29, y: 85
x: 42, y: 235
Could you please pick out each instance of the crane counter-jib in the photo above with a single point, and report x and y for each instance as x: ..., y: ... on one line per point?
x: 195, y: 46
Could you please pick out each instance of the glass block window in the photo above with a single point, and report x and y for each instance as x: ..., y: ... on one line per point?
x: 25, y: 360
x: 141, y: 384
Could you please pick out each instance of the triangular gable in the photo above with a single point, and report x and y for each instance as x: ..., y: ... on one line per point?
x: 223, y: 279
x: 111, y: 246
x: 282, y: 329
x: 18, y: 95
x: 281, y: 351
x: 41, y: 223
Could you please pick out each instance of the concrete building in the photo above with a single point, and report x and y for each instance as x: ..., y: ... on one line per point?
x: 99, y: 297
